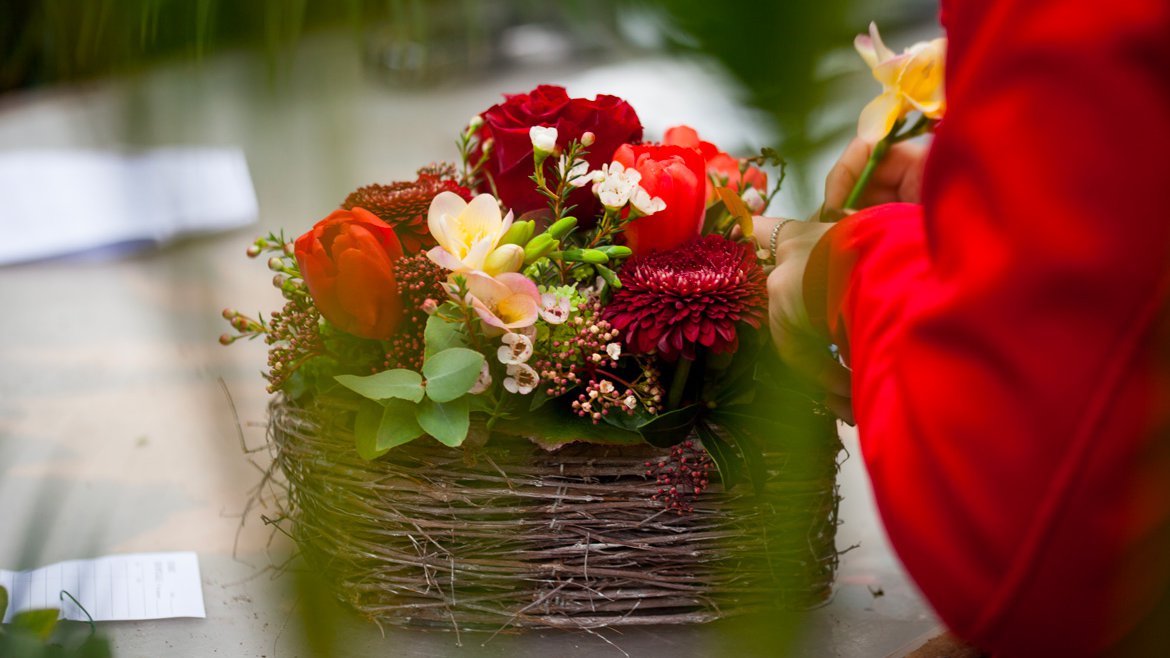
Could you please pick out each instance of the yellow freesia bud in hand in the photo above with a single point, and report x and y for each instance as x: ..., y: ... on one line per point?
x: 910, y: 81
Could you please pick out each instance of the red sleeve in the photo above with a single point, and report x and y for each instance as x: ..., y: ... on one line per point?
x: 1008, y: 338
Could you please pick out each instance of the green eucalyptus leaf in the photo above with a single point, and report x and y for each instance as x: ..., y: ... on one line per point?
x: 448, y: 422
x: 365, y: 430
x: 399, y: 383
x: 3, y: 602
x: 380, y: 427
x: 451, y: 373
x: 722, y: 454
x: 441, y: 335
x: 40, y: 622
x: 398, y: 425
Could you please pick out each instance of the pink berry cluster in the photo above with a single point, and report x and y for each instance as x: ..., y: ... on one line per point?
x: 418, y: 280
x: 681, y: 476
x: 578, y: 351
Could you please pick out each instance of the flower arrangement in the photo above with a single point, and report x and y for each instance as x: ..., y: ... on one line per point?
x: 564, y: 269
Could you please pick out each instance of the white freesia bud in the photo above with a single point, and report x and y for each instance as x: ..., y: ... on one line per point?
x: 505, y: 258
x: 544, y: 140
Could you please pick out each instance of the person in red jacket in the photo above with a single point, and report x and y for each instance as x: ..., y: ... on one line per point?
x: 1008, y: 337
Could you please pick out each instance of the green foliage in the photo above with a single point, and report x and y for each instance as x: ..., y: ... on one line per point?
x: 38, y: 622
x: 671, y: 427
x: 447, y: 422
x: 722, y: 454
x: 36, y: 634
x: 399, y: 383
x: 551, y: 428
x: 380, y: 427
x: 441, y: 335
x: 451, y: 373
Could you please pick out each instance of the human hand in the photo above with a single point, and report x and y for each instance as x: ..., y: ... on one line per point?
x: 898, y: 177
x: 799, y: 345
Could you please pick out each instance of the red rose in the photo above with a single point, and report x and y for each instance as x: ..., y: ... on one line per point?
x: 348, y: 261
x: 611, y: 120
x: 675, y: 175
x: 718, y: 164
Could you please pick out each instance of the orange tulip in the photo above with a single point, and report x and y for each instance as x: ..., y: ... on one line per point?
x: 347, y: 261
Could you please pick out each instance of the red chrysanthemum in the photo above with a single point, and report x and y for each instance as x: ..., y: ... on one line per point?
x: 404, y: 205
x: 671, y: 301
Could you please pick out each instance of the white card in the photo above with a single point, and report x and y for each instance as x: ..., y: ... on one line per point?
x: 111, y: 588
x: 56, y: 202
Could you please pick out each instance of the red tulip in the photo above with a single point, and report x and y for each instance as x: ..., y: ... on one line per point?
x: 675, y: 175
x: 719, y: 164
x: 348, y: 261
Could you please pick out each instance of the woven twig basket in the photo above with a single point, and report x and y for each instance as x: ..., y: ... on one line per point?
x: 526, y: 538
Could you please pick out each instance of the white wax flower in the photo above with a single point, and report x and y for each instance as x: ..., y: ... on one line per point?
x: 516, y: 349
x: 484, y: 381
x: 614, y: 350
x: 644, y: 203
x: 521, y: 379
x: 753, y: 200
x: 613, y: 184
x: 554, y: 309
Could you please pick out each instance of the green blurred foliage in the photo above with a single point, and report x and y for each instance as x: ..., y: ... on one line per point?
x: 772, y: 49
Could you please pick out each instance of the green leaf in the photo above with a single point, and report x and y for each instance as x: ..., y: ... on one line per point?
x: 3, y: 602
x: 441, y: 335
x: 448, y: 422
x: 365, y: 430
x: 390, y: 425
x: 671, y: 427
x: 722, y: 454
x: 399, y: 383
x: 40, y: 622
x: 451, y: 373
x: 551, y: 428
x: 95, y: 646
x: 753, y: 456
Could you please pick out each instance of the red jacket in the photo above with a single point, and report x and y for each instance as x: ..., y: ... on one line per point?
x: 1009, y: 337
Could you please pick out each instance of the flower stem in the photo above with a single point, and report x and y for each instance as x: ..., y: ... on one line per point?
x: 679, y: 383
x: 875, y: 156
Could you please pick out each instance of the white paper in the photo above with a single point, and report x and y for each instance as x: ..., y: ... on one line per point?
x: 111, y: 588
x: 56, y: 202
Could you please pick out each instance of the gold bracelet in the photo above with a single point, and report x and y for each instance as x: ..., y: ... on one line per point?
x: 776, y: 234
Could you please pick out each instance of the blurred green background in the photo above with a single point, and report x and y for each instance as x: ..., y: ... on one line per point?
x: 788, y: 57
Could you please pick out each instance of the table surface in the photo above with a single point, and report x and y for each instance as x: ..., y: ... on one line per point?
x: 125, y: 427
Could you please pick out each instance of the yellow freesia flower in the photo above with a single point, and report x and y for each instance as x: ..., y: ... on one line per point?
x: 467, y: 233
x: 910, y: 81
